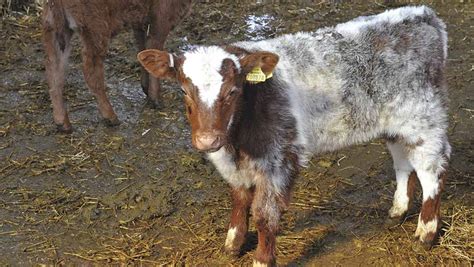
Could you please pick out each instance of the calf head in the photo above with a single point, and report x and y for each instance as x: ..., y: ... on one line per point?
x: 212, y: 81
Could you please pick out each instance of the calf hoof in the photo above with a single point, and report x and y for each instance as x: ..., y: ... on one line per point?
x: 155, y: 104
x: 64, y: 129
x: 234, y: 253
x: 428, y: 241
x: 145, y: 90
x: 257, y: 263
x: 427, y: 245
x: 392, y: 222
x: 111, y: 122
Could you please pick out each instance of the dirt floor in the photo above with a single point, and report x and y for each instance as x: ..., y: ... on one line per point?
x: 139, y: 194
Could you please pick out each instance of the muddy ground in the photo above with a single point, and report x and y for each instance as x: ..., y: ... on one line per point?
x: 139, y: 194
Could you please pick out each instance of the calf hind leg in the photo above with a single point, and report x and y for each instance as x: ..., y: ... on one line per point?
x: 167, y: 15
x: 406, y: 178
x: 429, y: 161
x: 140, y: 39
x: 57, y: 45
x: 93, y: 55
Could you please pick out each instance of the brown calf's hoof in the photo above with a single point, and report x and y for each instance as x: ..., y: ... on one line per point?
x: 112, y: 122
x: 64, y: 129
x: 154, y: 104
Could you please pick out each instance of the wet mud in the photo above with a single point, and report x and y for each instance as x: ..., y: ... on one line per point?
x: 139, y: 194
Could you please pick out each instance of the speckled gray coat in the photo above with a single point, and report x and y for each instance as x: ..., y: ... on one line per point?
x: 377, y: 76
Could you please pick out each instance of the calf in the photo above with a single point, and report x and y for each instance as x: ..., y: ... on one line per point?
x: 261, y: 109
x: 96, y: 22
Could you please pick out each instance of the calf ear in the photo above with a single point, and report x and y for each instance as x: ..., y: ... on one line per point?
x: 267, y: 61
x: 160, y: 64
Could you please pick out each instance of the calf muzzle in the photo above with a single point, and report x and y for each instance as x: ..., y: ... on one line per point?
x: 208, y: 142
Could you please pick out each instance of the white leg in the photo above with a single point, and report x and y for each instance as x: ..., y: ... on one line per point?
x: 403, y: 168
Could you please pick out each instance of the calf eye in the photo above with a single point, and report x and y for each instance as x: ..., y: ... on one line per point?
x: 184, y: 91
x: 233, y: 91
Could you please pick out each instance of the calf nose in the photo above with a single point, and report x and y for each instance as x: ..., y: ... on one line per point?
x: 208, y: 141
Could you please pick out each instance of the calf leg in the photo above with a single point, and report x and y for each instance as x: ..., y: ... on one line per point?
x: 406, y: 177
x: 429, y: 161
x: 241, y: 201
x: 167, y: 14
x: 268, y: 204
x: 93, y: 55
x: 152, y: 84
x: 57, y: 45
x: 140, y: 39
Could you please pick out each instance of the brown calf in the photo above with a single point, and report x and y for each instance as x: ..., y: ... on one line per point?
x: 97, y: 22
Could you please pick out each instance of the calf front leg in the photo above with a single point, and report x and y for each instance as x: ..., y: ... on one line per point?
x: 268, y: 204
x: 239, y: 219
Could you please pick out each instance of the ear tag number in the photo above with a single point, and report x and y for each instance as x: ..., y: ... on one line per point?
x: 257, y: 76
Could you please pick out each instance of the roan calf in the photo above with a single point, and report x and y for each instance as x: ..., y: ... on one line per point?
x: 97, y: 22
x: 260, y: 109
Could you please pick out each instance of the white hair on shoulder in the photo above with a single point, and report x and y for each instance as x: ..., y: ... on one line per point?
x: 202, y: 66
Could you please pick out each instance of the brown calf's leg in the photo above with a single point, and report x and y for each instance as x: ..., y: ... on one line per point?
x: 155, y: 41
x: 167, y: 14
x: 140, y: 39
x: 57, y: 45
x: 93, y: 54
x: 238, y: 226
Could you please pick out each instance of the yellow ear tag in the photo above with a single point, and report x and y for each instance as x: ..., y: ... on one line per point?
x: 257, y: 76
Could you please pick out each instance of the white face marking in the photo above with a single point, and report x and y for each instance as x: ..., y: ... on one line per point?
x: 230, y: 237
x: 393, y: 16
x: 202, y: 66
